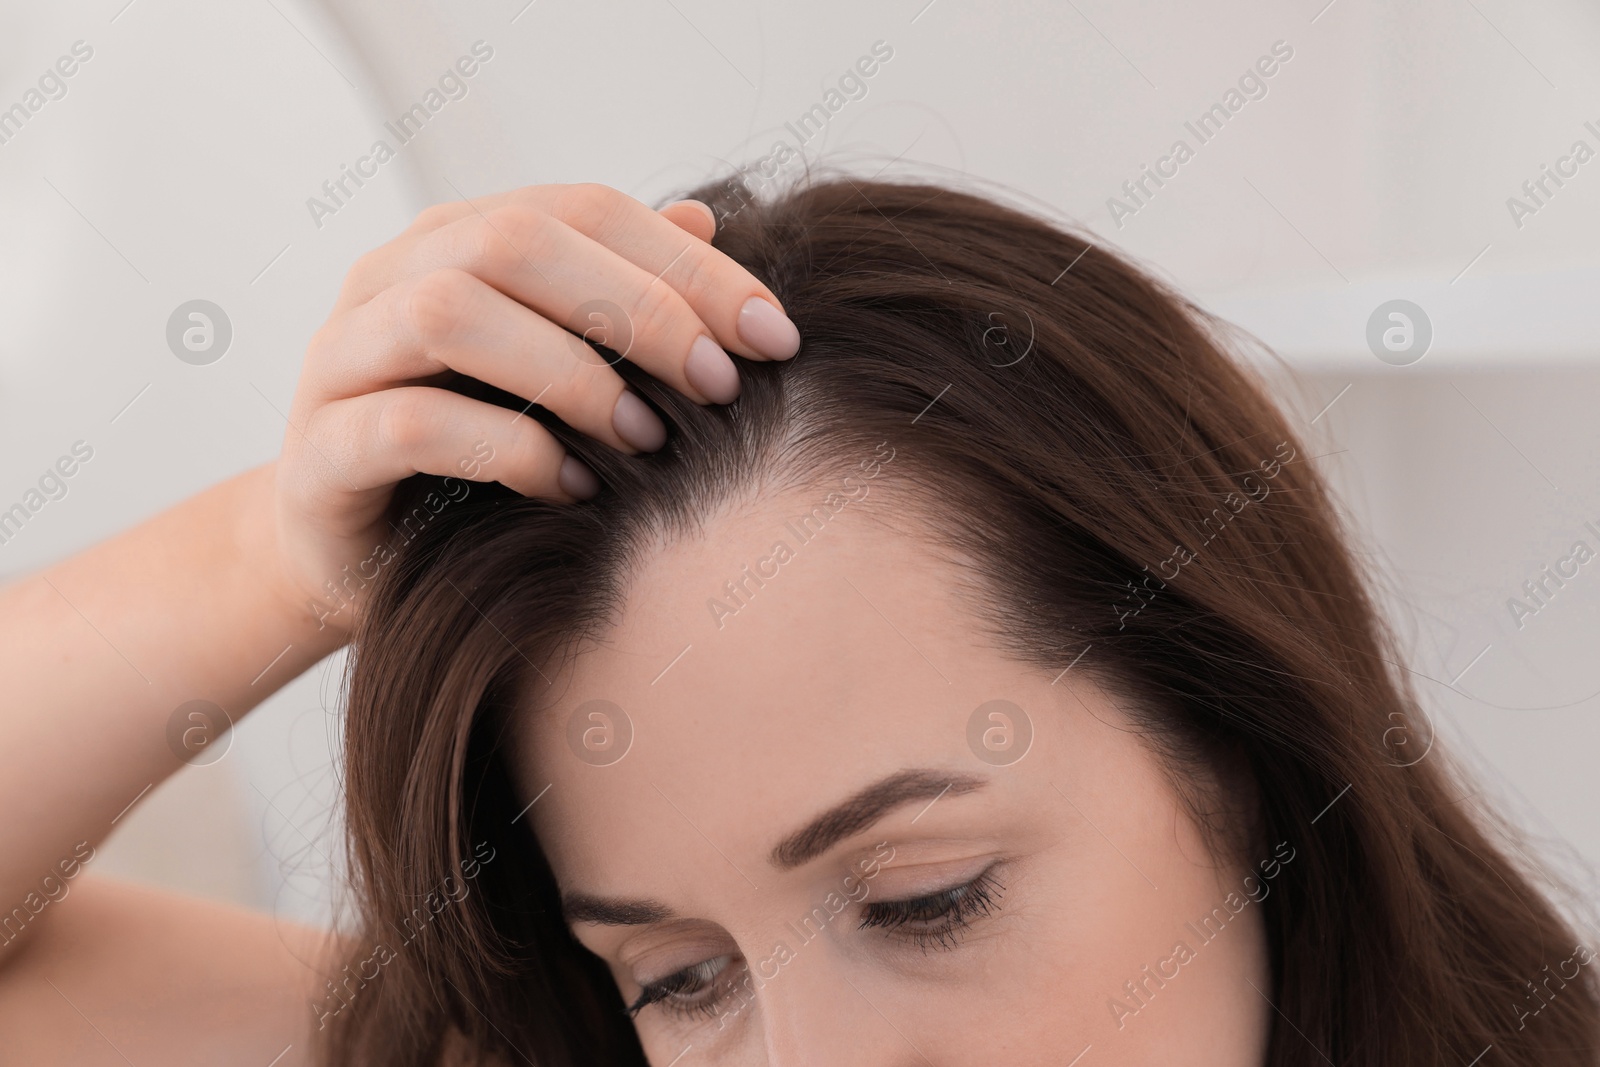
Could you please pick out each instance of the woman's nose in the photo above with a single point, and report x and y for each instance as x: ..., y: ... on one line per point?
x: 814, y: 1014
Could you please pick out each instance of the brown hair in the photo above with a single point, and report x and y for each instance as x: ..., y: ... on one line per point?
x: 1095, y: 450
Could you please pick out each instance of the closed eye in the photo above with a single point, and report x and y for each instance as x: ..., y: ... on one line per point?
x: 688, y: 991
x: 933, y: 920
x: 936, y: 919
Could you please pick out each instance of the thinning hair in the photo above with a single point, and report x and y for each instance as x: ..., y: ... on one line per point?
x: 1074, y: 432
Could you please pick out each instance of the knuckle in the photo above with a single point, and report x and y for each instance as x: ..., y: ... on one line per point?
x: 590, y: 206
x: 695, y: 280
x: 586, y: 386
x: 438, y: 303
x: 405, y: 422
x: 321, y: 345
x: 508, y: 238
x: 369, y: 265
x: 593, y: 191
x: 659, y: 313
x: 328, y: 433
x: 434, y: 216
x: 539, y: 197
x: 321, y: 367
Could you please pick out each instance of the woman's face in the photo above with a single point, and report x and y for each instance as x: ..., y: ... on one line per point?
x: 817, y: 846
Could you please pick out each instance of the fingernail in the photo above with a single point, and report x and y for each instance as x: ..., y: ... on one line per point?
x: 711, y: 216
x: 711, y: 371
x: 577, y: 480
x: 636, y: 424
x: 767, y: 330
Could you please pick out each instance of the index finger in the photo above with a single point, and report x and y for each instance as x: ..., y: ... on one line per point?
x: 744, y: 316
x: 741, y: 312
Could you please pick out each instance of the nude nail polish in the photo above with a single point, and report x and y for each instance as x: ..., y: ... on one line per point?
x: 577, y: 479
x: 767, y: 330
x: 711, y: 371
x: 636, y: 424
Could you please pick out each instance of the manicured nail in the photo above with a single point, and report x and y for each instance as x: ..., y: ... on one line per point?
x: 711, y: 371
x: 636, y: 424
x: 767, y: 330
x: 577, y: 480
x: 711, y: 216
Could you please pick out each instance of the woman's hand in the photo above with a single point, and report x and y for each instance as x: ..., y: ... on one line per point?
x: 499, y: 289
x: 106, y: 652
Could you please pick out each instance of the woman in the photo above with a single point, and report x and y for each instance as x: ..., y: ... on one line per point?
x: 987, y: 682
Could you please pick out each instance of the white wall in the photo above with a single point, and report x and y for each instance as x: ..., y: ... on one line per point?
x: 1377, y: 166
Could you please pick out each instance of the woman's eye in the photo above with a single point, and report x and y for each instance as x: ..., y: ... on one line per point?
x: 693, y: 990
x: 929, y: 920
x: 937, y: 918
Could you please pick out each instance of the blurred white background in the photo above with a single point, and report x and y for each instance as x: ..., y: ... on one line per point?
x: 1378, y: 165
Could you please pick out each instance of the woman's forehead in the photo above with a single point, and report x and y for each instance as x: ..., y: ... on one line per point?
x: 771, y: 624
x: 852, y: 658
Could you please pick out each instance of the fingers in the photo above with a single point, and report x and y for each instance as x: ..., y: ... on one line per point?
x: 744, y: 315
x: 509, y: 290
x: 740, y: 314
x: 452, y: 321
x: 692, y: 217
x: 376, y: 439
x: 541, y: 262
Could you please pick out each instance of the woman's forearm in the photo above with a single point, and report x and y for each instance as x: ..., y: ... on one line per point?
x: 99, y: 651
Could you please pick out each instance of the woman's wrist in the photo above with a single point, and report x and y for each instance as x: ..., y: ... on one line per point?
x: 259, y: 561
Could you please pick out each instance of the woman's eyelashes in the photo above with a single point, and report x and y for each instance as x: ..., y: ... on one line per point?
x: 936, y: 919
x: 933, y: 920
x: 687, y: 991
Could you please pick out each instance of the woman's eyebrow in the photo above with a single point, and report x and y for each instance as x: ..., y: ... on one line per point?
x: 864, y: 808
x: 843, y: 820
x: 609, y: 911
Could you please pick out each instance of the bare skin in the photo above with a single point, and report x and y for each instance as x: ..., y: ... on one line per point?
x: 854, y: 662
x: 99, y: 649
x: 800, y: 702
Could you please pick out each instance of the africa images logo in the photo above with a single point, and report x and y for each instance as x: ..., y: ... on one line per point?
x: 452, y: 85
